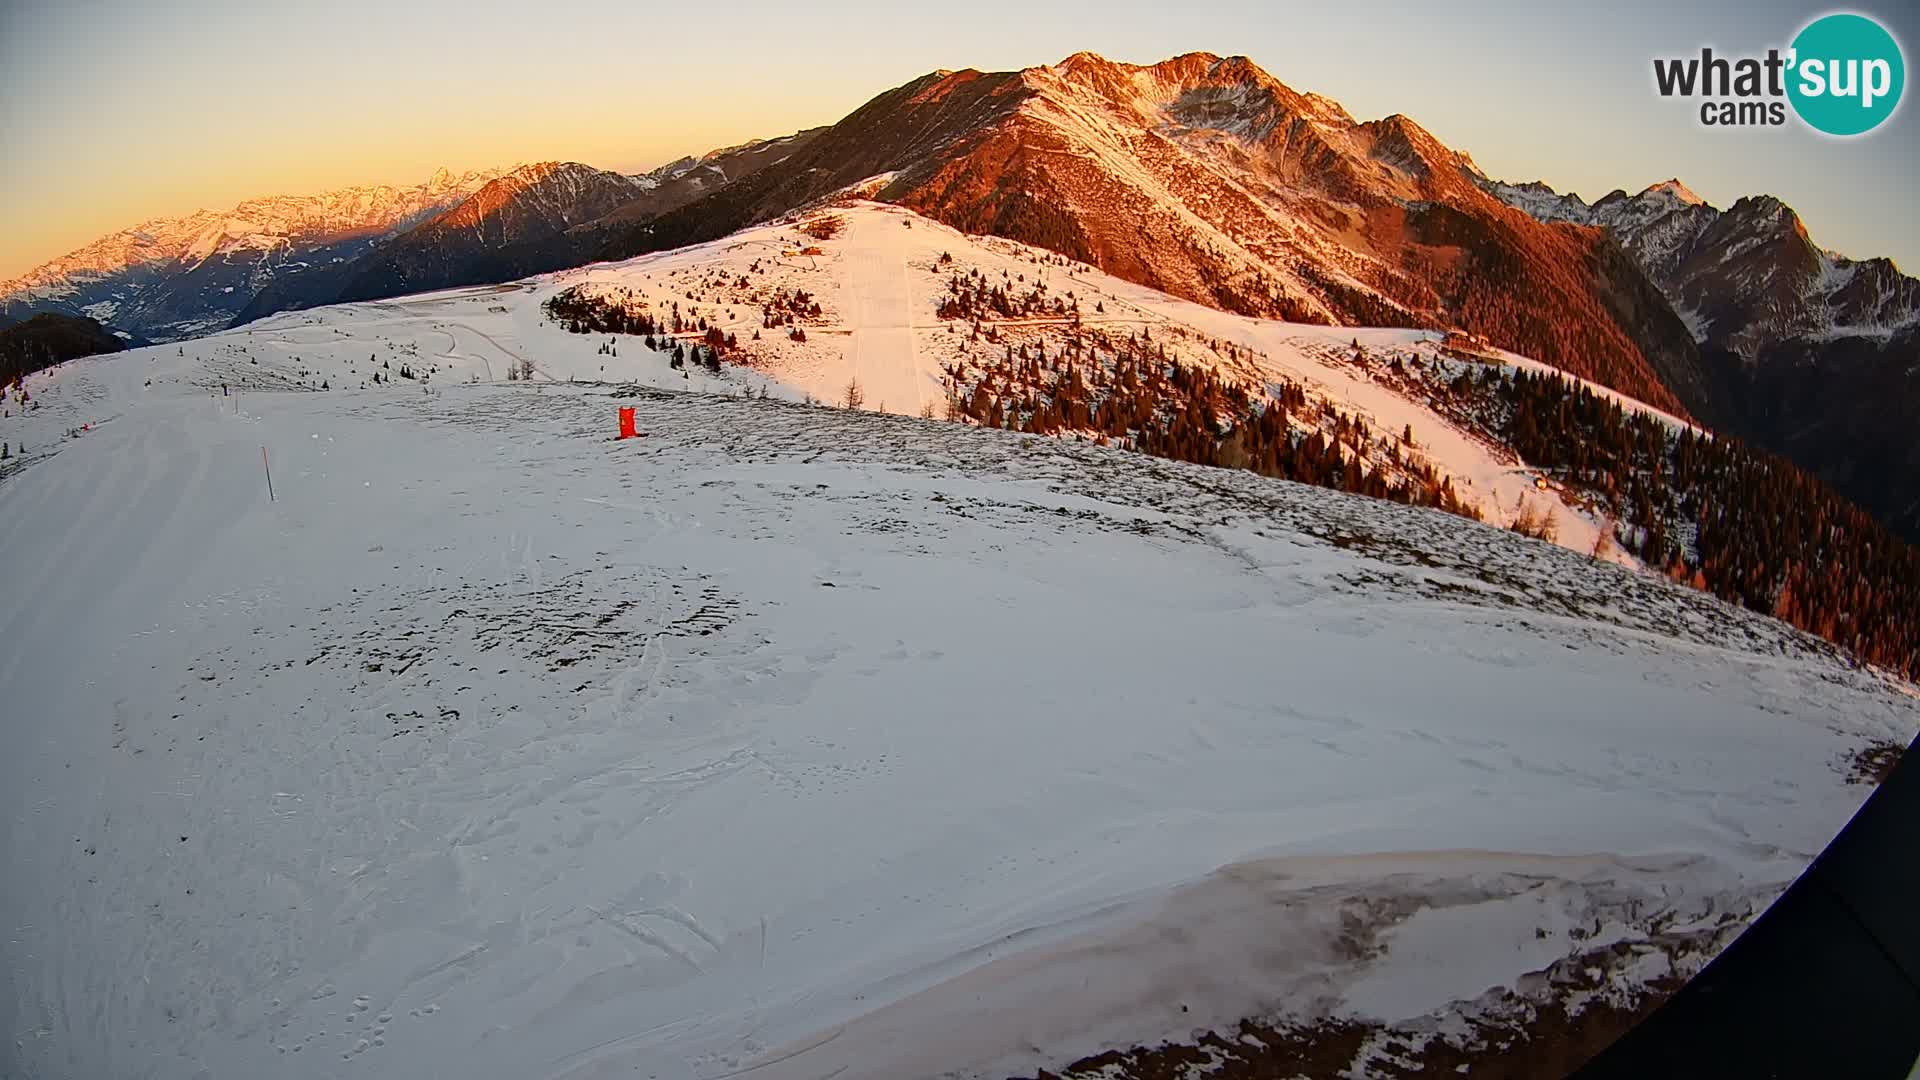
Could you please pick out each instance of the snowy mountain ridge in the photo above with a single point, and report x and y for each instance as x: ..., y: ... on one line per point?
x: 536, y: 199
x: 1204, y: 177
x: 876, y: 315
x: 1253, y: 197
x: 176, y: 277
x: 254, y: 224
x: 1749, y: 276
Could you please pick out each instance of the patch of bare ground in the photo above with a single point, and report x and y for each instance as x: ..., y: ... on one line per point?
x: 1550, y: 1029
x: 1873, y: 763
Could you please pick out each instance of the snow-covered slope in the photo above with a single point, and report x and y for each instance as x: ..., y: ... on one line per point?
x: 813, y: 740
x: 879, y: 285
x: 176, y: 277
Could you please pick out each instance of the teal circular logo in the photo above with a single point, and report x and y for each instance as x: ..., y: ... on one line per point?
x: 1847, y: 74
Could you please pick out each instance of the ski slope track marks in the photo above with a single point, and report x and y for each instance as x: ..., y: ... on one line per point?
x: 790, y: 741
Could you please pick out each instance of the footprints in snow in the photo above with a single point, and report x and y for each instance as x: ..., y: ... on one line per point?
x: 362, y: 1027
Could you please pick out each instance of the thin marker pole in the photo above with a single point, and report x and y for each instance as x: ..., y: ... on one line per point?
x: 269, y: 470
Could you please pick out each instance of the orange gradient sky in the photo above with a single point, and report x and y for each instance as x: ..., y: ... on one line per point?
x: 116, y: 112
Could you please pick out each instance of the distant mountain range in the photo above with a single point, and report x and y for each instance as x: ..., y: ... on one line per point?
x: 1200, y: 176
x: 1746, y: 277
x: 171, y: 278
x: 535, y: 218
x: 1806, y: 352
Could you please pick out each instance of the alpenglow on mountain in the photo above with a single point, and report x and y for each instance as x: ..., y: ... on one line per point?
x: 1202, y: 176
x: 171, y: 278
x: 535, y: 218
x: 1207, y: 178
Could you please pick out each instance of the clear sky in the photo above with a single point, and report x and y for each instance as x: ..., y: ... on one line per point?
x: 113, y: 111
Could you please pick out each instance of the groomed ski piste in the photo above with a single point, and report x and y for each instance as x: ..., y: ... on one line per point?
x: 799, y: 742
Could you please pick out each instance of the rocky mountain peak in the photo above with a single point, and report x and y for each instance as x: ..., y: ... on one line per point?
x: 1673, y: 190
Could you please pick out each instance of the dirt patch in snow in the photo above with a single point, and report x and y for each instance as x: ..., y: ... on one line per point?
x: 1873, y: 763
x: 1550, y: 1032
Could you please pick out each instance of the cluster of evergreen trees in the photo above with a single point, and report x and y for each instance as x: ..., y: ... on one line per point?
x: 707, y: 356
x: 46, y: 340
x: 589, y: 313
x: 592, y: 313
x: 623, y: 313
x: 1130, y: 391
x: 787, y: 308
x: 974, y: 296
x: 1750, y: 527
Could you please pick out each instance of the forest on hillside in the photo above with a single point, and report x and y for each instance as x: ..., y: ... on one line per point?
x: 46, y: 340
x: 1746, y: 525
x: 1128, y: 391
